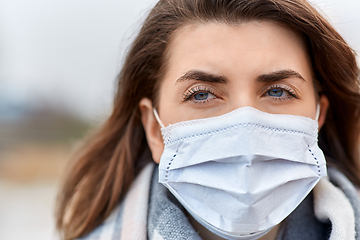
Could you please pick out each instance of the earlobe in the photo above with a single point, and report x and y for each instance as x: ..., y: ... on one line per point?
x: 152, y: 129
x: 324, y: 105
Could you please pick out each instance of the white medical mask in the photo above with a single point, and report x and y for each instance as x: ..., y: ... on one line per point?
x: 242, y: 173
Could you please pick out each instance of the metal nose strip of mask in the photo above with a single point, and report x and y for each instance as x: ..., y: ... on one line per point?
x: 158, y: 118
x: 162, y: 125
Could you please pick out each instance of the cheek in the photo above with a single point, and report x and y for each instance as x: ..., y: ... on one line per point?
x: 167, y: 107
x: 308, y: 106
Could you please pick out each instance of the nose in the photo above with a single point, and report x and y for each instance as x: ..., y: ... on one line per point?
x: 245, y: 99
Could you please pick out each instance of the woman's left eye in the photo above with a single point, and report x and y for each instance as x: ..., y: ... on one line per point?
x: 283, y: 93
x: 276, y: 92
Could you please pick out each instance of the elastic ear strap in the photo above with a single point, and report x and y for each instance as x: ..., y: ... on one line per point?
x: 158, y: 118
x: 317, y: 112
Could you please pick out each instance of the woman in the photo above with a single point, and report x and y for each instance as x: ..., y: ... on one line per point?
x: 230, y: 95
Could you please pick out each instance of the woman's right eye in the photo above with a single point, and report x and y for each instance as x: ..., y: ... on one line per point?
x: 199, y: 94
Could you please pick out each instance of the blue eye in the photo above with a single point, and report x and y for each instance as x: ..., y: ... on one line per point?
x: 201, y: 96
x: 276, y: 92
x: 280, y: 93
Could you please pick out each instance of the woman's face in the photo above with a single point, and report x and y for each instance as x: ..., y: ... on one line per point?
x: 214, y: 68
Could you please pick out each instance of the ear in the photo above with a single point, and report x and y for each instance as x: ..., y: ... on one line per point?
x: 152, y: 129
x: 324, y: 105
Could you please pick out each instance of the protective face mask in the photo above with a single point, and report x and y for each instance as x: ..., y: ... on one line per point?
x: 241, y: 173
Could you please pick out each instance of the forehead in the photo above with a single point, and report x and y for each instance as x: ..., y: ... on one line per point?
x: 236, y: 28
x: 215, y: 43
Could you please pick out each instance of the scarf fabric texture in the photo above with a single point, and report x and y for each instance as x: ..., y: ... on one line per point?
x: 150, y: 212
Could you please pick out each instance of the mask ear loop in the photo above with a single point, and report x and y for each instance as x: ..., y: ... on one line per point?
x: 317, y: 112
x: 158, y: 118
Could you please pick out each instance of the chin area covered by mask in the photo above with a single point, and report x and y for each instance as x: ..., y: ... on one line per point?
x: 241, y: 173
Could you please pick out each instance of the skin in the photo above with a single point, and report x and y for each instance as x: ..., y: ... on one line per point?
x: 215, y: 68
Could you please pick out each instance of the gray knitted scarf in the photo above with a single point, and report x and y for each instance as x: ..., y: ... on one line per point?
x: 151, y: 212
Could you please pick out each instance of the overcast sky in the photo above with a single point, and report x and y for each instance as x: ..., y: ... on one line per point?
x: 68, y: 52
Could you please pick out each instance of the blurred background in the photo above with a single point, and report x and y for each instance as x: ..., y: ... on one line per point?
x: 58, y: 63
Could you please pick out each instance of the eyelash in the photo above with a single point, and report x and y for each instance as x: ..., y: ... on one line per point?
x: 192, y: 91
x: 287, y: 89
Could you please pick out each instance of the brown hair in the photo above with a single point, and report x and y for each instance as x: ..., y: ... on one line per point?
x: 108, y: 162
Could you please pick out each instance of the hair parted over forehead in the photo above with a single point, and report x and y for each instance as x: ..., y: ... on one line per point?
x: 105, y: 166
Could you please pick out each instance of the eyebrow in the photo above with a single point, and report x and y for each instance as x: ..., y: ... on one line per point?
x: 279, y: 75
x: 212, y: 78
x: 202, y: 76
